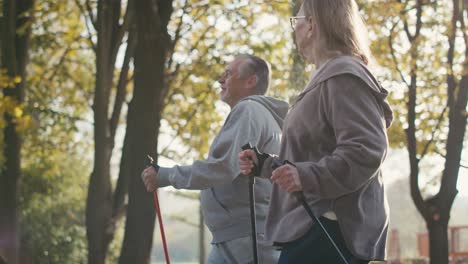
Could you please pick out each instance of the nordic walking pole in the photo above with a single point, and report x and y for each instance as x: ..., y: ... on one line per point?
x: 252, y: 207
x: 150, y: 162
x: 301, y: 198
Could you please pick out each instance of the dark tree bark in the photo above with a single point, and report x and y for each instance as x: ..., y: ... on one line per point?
x: 143, y: 121
x: 14, y: 58
x: 121, y: 190
x: 101, y: 211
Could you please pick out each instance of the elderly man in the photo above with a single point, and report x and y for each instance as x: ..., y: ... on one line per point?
x: 253, y: 118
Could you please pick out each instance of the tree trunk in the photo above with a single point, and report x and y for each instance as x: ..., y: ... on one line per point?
x: 14, y: 57
x: 121, y: 189
x: 438, y: 241
x: 98, y: 206
x: 457, y: 101
x: 144, y: 115
x: 100, y: 223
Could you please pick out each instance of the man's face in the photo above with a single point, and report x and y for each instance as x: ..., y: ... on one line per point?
x: 234, y: 87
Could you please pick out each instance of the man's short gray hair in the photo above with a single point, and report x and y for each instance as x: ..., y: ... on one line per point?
x: 259, y: 67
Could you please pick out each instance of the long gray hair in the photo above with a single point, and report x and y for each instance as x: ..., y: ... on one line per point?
x: 342, y: 27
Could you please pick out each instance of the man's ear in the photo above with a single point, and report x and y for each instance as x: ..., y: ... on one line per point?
x: 252, y: 82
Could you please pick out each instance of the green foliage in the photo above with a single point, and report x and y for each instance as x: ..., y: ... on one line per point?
x: 52, y: 201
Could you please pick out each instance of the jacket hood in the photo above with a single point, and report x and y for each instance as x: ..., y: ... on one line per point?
x: 350, y: 65
x: 276, y: 107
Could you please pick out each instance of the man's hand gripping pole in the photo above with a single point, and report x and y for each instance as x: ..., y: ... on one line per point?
x: 255, y: 172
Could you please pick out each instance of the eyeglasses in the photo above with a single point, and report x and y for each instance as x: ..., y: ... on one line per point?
x: 225, y: 75
x: 293, y: 21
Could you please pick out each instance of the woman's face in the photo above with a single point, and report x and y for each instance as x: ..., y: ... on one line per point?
x: 303, y: 34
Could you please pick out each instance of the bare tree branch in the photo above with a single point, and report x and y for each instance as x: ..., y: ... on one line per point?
x: 48, y: 78
x: 179, y: 90
x: 120, y: 30
x: 187, y: 121
x: 91, y: 16
x: 412, y: 37
x: 88, y: 16
x: 177, y: 34
x: 173, y: 74
x: 407, y: 10
x: 53, y: 112
x: 204, y: 10
x: 463, y: 25
x: 392, y: 53
x: 462, y: 163
x: 201, y: 11
x: 436, y: 128
x: 122, y: 85
x: 418, y: 18
x: 76, y: 61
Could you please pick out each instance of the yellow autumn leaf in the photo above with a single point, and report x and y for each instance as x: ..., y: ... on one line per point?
x: 23, y: 123
x: 17, y: 112
x: 17, y: 79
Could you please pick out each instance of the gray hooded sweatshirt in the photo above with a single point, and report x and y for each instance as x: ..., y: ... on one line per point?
x: 224, y: 195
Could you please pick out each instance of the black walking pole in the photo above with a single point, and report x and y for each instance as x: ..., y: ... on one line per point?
x: 300, y: 197
x: 252, y: 206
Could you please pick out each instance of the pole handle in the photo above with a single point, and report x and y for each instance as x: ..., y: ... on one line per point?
x: 261, y: 157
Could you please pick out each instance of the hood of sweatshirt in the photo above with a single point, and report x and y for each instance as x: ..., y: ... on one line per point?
x: 350, y: 65
x: 276, y: 107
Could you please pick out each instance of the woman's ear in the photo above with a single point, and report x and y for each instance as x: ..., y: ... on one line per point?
x: 310, y: 29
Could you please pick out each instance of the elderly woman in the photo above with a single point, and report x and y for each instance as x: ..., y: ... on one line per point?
x: 335, y: 139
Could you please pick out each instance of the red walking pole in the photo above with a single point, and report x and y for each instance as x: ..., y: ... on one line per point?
x: 150, y: 162
x: 161, y: 226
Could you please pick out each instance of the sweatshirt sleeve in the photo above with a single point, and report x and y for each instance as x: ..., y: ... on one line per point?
x: 222, y: 164
x: 358, y: 124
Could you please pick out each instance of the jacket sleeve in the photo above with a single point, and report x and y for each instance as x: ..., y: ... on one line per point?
x: 222, y: 164
x: 356, y: 118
